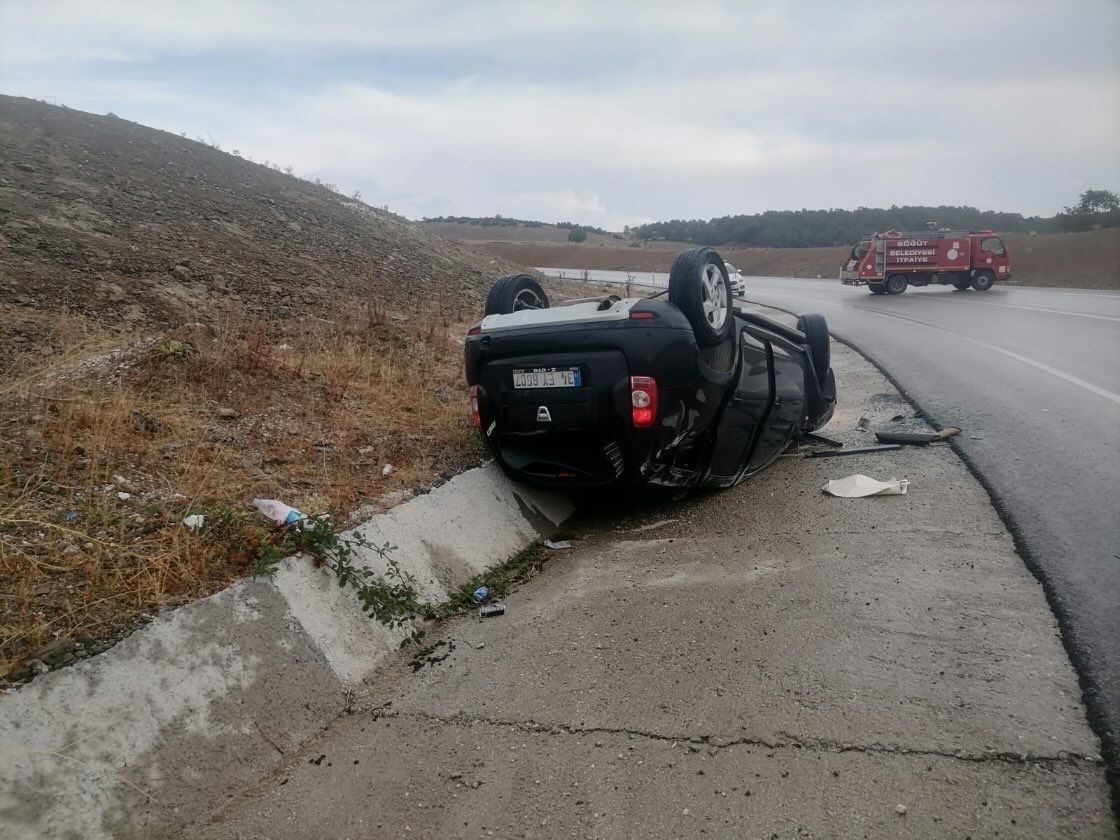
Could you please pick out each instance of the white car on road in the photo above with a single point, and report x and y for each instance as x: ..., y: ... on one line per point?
x: 738, y: 284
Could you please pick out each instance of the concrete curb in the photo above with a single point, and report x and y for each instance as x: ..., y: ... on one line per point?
x: 207, y: 698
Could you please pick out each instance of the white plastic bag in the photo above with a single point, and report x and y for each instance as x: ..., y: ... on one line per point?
x: 278, y: 512
x: 194, y: 521
x: 858, y: 485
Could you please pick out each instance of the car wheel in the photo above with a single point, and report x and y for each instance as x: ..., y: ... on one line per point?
x: 961, y: 284
x: 815, y: 328
x: 513, y: 293
x: 896, y: 284
x: 877, y: 288
x: 698, y: 287
x: 983, y: 281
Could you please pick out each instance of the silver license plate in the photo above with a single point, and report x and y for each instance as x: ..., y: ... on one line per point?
x: 547, y: 378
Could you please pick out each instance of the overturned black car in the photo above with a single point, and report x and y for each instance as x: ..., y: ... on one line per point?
x: 682, y: 392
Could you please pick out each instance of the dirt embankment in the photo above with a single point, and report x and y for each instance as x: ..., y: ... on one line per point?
x: 129, y: 225
x: 181, y: 331
x: 1073, y: 260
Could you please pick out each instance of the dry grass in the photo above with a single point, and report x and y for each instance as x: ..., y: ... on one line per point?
x: 203, y: 420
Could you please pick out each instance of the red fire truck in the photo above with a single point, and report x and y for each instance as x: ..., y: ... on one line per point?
x: 889, y: 262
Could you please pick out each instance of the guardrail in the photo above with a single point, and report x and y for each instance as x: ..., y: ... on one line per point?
x: 645, y: 279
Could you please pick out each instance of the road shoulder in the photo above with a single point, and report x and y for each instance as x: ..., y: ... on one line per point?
x: 764, y: 661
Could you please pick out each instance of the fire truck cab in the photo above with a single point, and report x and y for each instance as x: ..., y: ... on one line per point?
x: 889, y: 262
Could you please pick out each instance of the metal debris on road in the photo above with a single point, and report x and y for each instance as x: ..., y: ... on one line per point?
x: 863, y: 450
x: 827, y: 441
x: 491, y: 610
x: 917, y: 439
x: 859, y: 485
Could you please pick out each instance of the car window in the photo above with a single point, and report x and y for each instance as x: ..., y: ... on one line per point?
x: 993, y: 245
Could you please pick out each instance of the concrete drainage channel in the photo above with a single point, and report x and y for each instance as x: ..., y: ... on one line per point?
x: 209, y: 697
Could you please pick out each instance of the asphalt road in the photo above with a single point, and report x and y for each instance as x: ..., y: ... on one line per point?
x: 1033, y: 378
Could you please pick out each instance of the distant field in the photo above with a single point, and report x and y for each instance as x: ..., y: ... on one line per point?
x: 508, y: 233
x: 1079, y: 260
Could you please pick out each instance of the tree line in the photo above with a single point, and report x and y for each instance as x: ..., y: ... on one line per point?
x: 813, y: 228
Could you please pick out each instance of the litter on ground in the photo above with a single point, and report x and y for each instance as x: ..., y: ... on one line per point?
x: 859, y: 485
x: 491, y: 610
x: 558, y: 544
x: 194, y: 521
x: 278, y: 512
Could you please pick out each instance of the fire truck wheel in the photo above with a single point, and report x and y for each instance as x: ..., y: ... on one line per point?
x: 962, y: 283
x: 877, y: 288
x: 896, y: 284
x: 983, y: 281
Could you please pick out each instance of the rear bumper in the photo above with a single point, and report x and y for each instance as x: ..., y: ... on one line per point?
x: 852, y: 278
x: 579, y: 460
x: 583, y: 437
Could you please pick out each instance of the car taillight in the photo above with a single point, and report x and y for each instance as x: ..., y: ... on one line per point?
x: 474, y: 330
x: 476, y: 417
x: 643, y: 401
x: 642, y: 315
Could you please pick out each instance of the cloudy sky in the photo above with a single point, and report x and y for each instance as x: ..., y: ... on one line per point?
x: 610, y: 113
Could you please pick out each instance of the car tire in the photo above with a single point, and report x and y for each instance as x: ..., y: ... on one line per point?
x: 698, y: 287
x: 983, y: 280
x: 896, y: 284
x: 815, y: 328
x: 513, y: 293
x: 961, y: 284
x: 877, y: 288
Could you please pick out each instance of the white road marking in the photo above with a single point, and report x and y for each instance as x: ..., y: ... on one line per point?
x: 1073, y: 380
x: 1020, y: 306
x: 1046, y: 290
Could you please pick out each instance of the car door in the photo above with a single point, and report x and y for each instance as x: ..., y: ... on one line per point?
x: 787, y: 411
x: 994, y: 257
x: 745, y: 413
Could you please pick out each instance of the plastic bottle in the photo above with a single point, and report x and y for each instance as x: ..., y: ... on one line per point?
x: 278, y: 512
